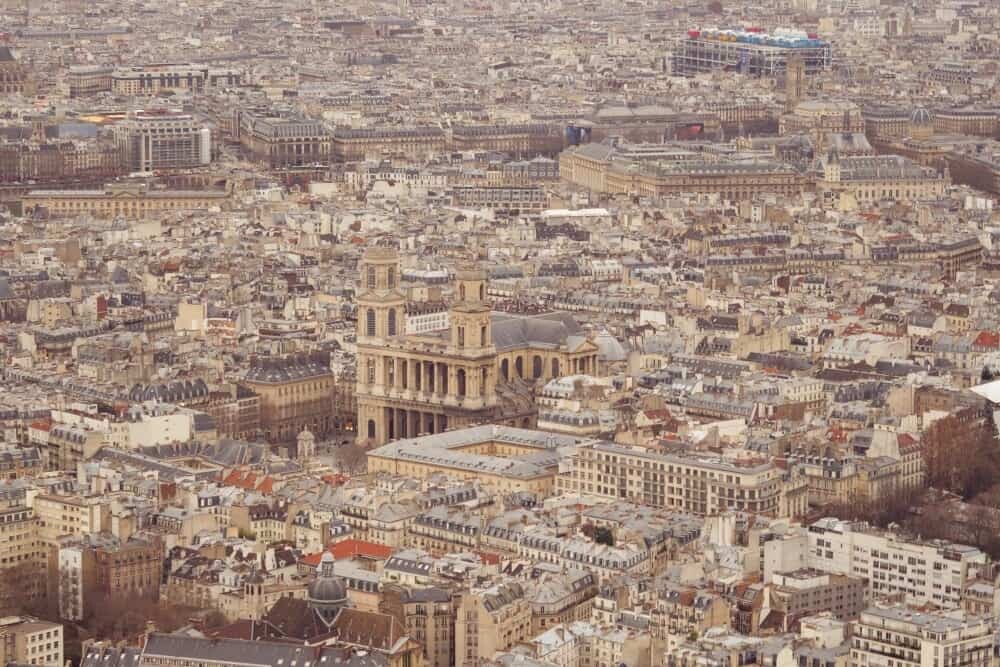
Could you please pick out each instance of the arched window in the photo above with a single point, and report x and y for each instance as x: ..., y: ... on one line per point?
x: 482, y: 336
x: 370, y: 322
x: 536, y: 367
x: 371, y: 277
x: 482, y: 292
x: 519, y: 367
x: 391, y: 277
x: 505, y: 370
x: 461, y: 336
x: 392, y: 321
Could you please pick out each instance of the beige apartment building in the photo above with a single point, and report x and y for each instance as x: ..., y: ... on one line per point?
x: 87, y: 80
x: 23, y: 560
x: 899, y: 636
x: 429, y: 617
x: 71, y: 515
x: 699, y: 484
x: 488, y: 621
x: 282, y: 139
x: 28, y: 641
x: 295, y: 394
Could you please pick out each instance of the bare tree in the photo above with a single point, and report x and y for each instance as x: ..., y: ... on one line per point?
x: 123, y: 618
x: 960, y: 457
x: 353, y: 459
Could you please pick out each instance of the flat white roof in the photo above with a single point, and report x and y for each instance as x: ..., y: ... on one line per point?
x: 579, y: 213
x: 990, y: 391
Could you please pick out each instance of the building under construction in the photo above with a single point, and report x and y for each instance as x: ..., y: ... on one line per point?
x: 751, y: 51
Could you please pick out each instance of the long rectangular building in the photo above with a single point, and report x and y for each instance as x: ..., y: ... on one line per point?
x: 934, y: 572
x: 752, y: 52
x: 701, y: 485
x: 599, y: 168
x: 152, y: 79
x: 902, y: 637
x: 130, y: 201
x: 508, y: 459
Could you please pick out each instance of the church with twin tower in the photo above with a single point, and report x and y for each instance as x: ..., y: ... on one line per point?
x: 409, y: 385
x: 418, y: 384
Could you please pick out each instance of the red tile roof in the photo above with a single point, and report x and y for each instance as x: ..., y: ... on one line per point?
x: 247, y: 480
x: 351, y: 548
x: 988, y: 339
x: 489, y: 558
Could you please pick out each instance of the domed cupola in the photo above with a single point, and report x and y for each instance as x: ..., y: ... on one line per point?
x: 328, y: 592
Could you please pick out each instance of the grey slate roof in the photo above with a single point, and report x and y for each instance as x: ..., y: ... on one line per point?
x: 547, y: 330
x: 111, y: 657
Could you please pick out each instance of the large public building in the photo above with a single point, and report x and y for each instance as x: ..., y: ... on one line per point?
x: 477, y: 370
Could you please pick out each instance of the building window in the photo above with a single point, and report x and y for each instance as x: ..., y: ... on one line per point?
x: 370, y: 322
x: 482, y: 336
x: 461, y: 336
x: 371, y: 371
x: 371, y: 277
x: 392, y: 322
x: 371, y: 429
x: 391, y: 277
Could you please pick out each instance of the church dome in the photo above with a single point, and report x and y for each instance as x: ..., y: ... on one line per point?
x: 921, y: 116
x: 609, y: 348
x: 327, y: 589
